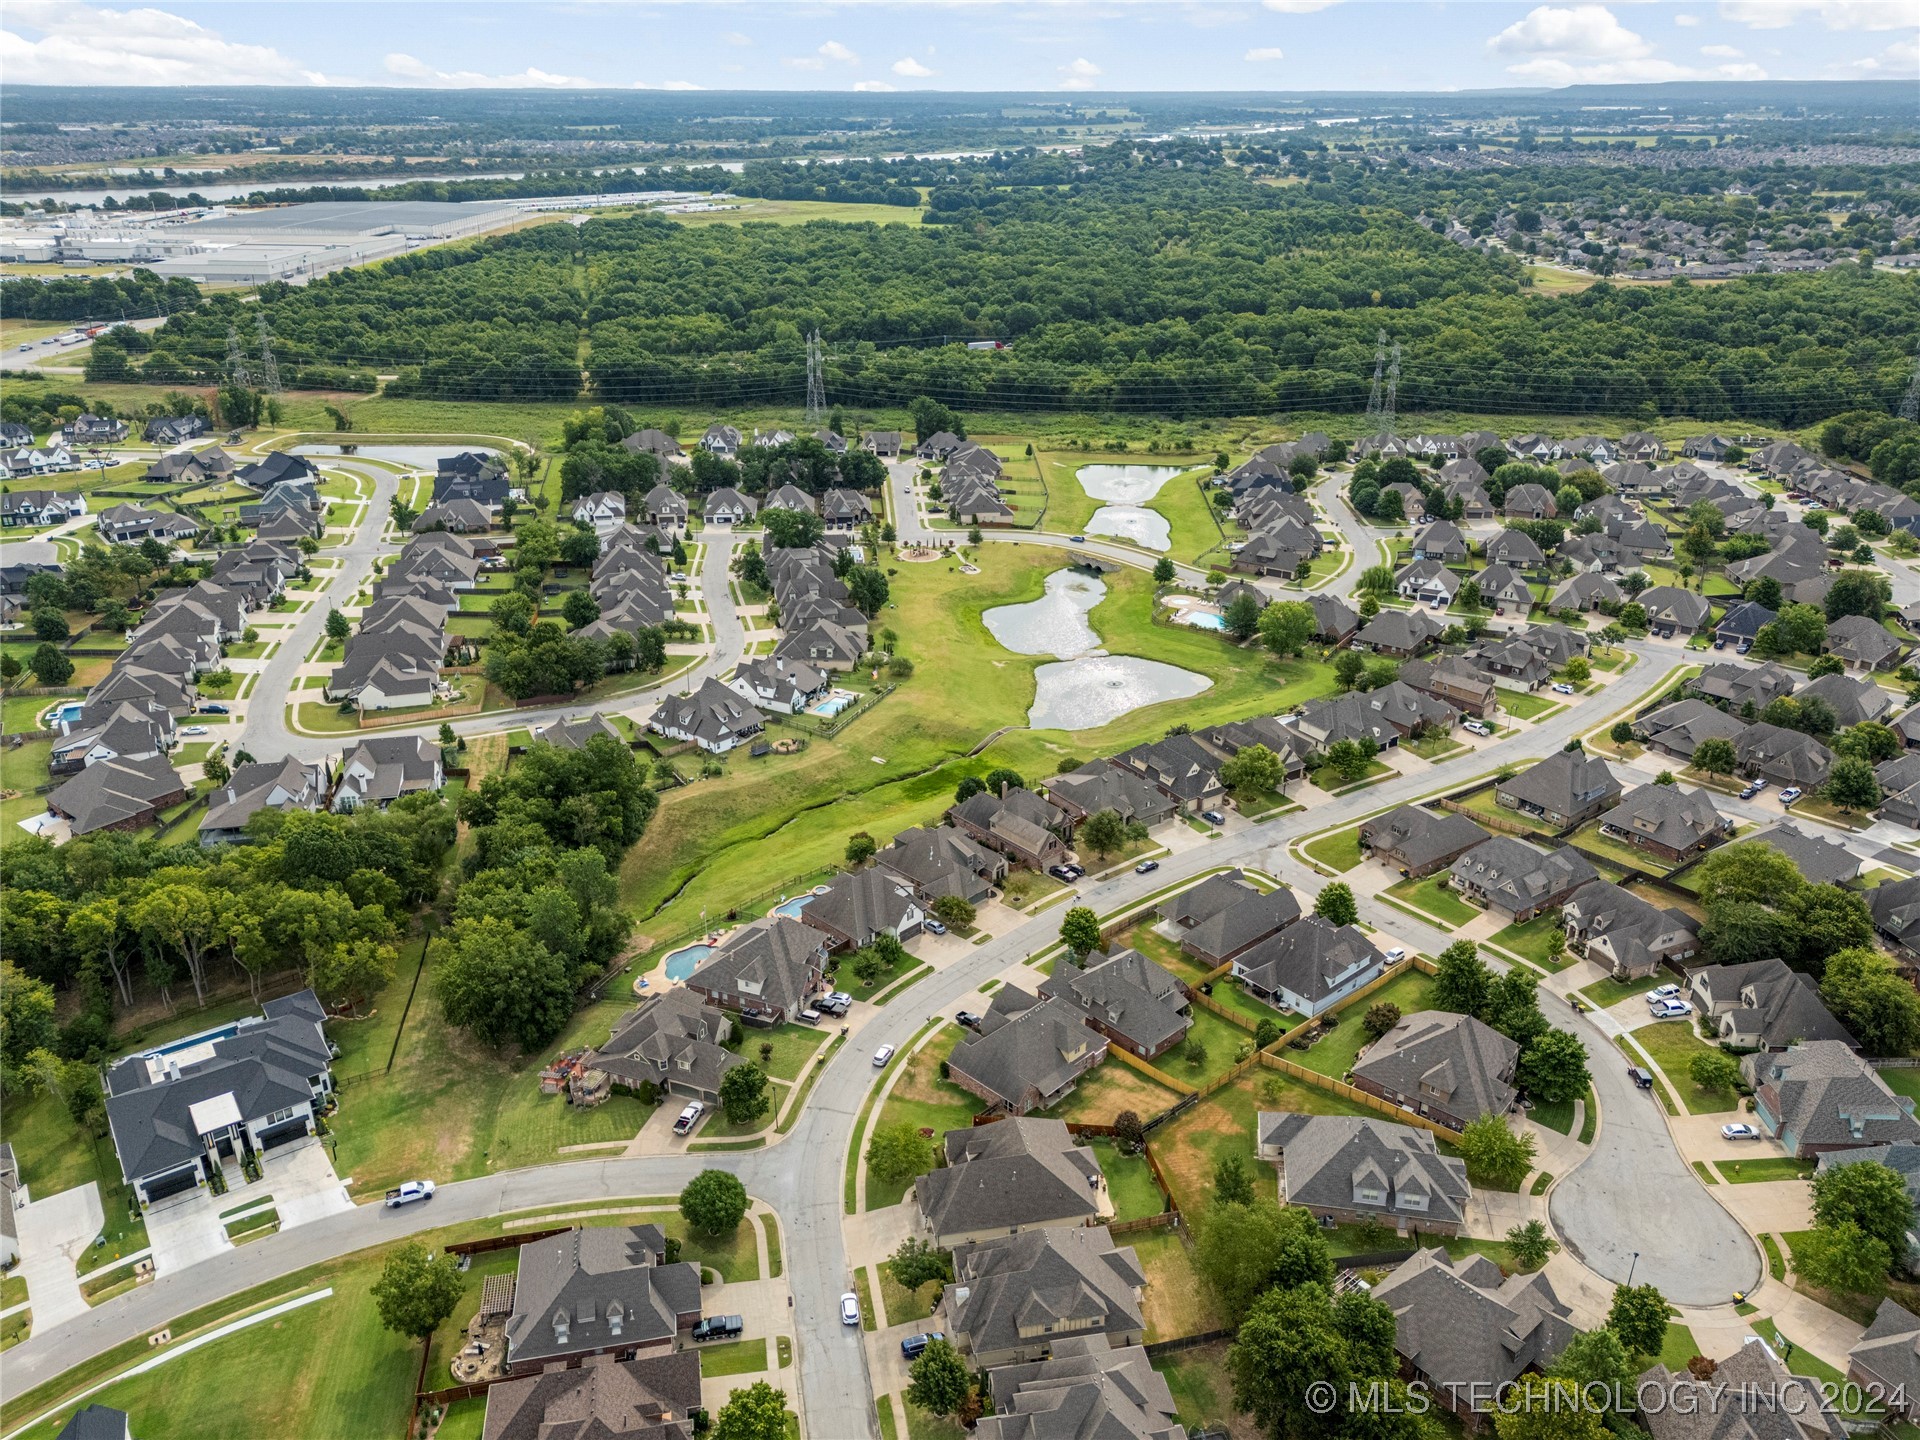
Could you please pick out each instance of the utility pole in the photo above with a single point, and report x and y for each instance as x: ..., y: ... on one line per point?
x: 1379, y: 369
x: 237, y: 372
x: 1910, y: 404
x: 1390, y: 409
x: 269, y: 371
x: 816, y: 380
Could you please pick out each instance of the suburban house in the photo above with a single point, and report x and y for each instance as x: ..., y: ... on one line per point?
x: 1427, y: 582
x: 1348, y: 1170
x: 1419, y: 841
x: 825, y: 644
x: 1895, y: 907
x: 1310, y: 965
x: 115, y: 730
x: 721, y: 440
x: 653, y: 1398
x: 1674, y: 824
x: 1454, y: 681
x: 1385, y: 716
x: 1099, y: 785
x: 653, y: 442
x: 1823, y: 861
x: 1021, y: 825
x: 182, y: 1112
x: 845, y: 511
x: 1742, y: 624
x: 174, y: 430
x: 1085, y: 1388
x: 1225, y: 914
x: 1517, y: 879
x: 1529, y: 502
x: 712, y: 717
x: 1129, y: 999
x: 772, y: 682
x: 1566, y: 789
x: 1672, y: 611
x: 1630, y: 936
x: 1513, y: 548
x: 1676, y: 730
x: 675, y: 1042
x: 1887, y: 1358
x: 129, y: 524
x: 1751, y: 1393
x: 1180, y: 767
x: 605, y: 511
x: 939, y: 860
x: 1027, y: 1053
x: 663, y: 507
x: 1441, y: 540
x: 1853, y: 698
x: 1763, y: 1005
x: 102, y: 1422
x: 1504, y: 588
x: 727, y: 506
x: 1588, y: 590
x: 1448, y: 1068
x: 456, y: 517
x: 1466, y: 1331
x: 1863, y: 644
x: 766, y: 970
x: 858, y: 906
x: 41, y: 507
x: 884, y: 443
x: 1785, y: 757
x: 1334, y: 620
x: 601, y: 1290
x: 1015, y: 1175
x: 382, y: 768
x: 574, y: 732
x: 1011, y: 1296
x: 1400, y: 634
x: 1735, y: 686
x: 286, y: 785
x: 117, y: 794
x: 1820, y: 1096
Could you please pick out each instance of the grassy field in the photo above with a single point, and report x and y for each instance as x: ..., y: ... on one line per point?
x: 1188, y: 1147
x: 1109, y: 1088
x: 1333, y: 1054
x: 1433, y: 896
x: 1531, y: 940
x: 1175, y: 1303
x: 1611, y: 992
x: 1129, y: 1182
x: 1673, y: 1045
x: 704, y: 850
x: 1765, y: 1169
x: 920, y: 1098
x: 800, y: 212
x: 1337, y: 851
x: 1202, y: 1394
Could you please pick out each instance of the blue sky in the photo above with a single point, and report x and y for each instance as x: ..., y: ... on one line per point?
x: 879, y: 45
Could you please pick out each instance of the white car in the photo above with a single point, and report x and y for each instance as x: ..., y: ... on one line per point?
x: 1670, y: 1009
x: 849, y: 1309
x: 1739, y: 1132
x: 1789, y: 795
x: 1663, y: 992
x: 1397, y: 954
x: 193, y: 730
x: 1475, y: 727
x: 882, y: 1055
x: 1563, y: 689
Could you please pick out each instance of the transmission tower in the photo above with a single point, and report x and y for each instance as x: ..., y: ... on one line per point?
x: 816, y: 379
x: 269, y: 371
x: 1379, y: 369
x: 1392, y: 403
x: 1910, y: 403
x: 237, y: 372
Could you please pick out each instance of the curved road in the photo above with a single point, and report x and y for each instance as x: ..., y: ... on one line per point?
x: 1633, y: 1184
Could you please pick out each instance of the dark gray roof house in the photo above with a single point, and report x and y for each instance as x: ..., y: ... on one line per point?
x: 1018, y: 1174
x: 1733, y: 685
x: 1854, y: 699
x: 1100, y: 785
x: 712, y: 717
x: 1310, y: 965
x: 1823, y: 861
x: 1751, y: 1395
x: 1012, y: 1295
x: 1019, y: 824
x: 1441, y: 540
x: 1887, y: 1356
x: 1084, y: 1390
x: 1820, y: 1096
x: 1895, y: 907
x: 1678, y: 729
x: 1028, y: 1052
x: 1351, y: 1170
x: 767, y: 968
x: 1333, y: 618
x: 1385, y: 716
x: 595, y: 1290
x: 117, y: 794
x: 1764, y: 1006
x: 653, y: 442
x: 1862, y: 643
x: 1229, y: 933
x: 605, y: 1398
x: 97, y: 1422
x: 1631, y: 936
x: 675, y: 1041
x: 286, y: 785
x: 1399, y: 632
x: 939, y: 860
x: 1514, y: 548
x: 1672, y: 610
x: 1742, y: 623
x: 1567, y: 788
x: 1183, y: 769
x: 858, y: 906
x: 1126, y: 997
x: 1586, y: 591
x: 1518, y: 879
x: 1786, y: 757
x: 574, y: 732
x: 1449, y: 1068
x: 1208, y: 898
x: 1667, y: 821
x: 1417, y: 840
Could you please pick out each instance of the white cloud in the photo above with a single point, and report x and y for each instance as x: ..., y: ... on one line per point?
x: 1265, y: 52
x: 1300, y: 7
x: 912, y: 68
x: 804, y: 62
x: 1724, y: 52
x: 84, y: 45
x: 1900, y: 60
x: 734, y: 37
x: 1079, y: 75
x: 1685, y: 19
x: 871, y: 85
x: 1555, y: 71
x: 1834, y: 14
x: 1586, y: 31
x: 834, y: 50
x: 405, y: 67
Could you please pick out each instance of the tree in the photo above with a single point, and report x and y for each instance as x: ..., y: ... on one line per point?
x: 1553, y: 1069
x: 1621, y: 733
x: 1495, y: 1153
x: 1851, y: 784
x: 917, y: 1263
x: 1347, y: 666
x: 1825, y: 665
x: 758, y: 1412
x: 10, y: 669
x: 511, y: 613
x: 338, y: 626
x: 1858, y: 592
x: 415, y: 1293
x: 1714, y: 1070
x: 1231, y: 1183
x: 1003, y: 779
x: 1240, y: 1251
x: 867, y: 589
x: 897, y: 1153
x: 1242, y: 617
x: 1544, y: 1407
x: 860, y: 848
x: 1162, y: 571
x: 1532, y: 1245
x: 499, y: 982
x: 791, y: 529
x: 49, y: 665
x: 1865, y: 993
x: 26, y: 1016
x: 1715, y: 756
x: 1349, y: 759
x: 215, y: 769
x: 1254, y: 770
x: 1596, y: 1359
x: 1461, y: 979
x: 1638, y: 1316
x: 743, y: 1094
x: 940, y: 1381
x: 1868, y: 1194
x: 1286, y: 626
x: 1843, y: 1257
x: 580, y: 608
x: 1195, y: 1052
x: 1381, y: 1017
x: 953, y: 911
x: 1104, y: 832
x: 1298, y: 1345
x: 969, y: 787
x: 1080, y: 929
x: 714, y: 1202
x: 1335, y: 904
x: 50, y: 624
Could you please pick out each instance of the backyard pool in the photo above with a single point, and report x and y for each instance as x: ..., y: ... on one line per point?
x: 1204, y: 620
x: 681, y: 963
x: 836, y: 701
x: 64, y: 714
x: 792, y: 908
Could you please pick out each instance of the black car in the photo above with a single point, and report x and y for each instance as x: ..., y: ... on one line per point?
x: 214, y: 710
x: 915, y: 1345
x: 719, y: 1327
x: 968, y: 1019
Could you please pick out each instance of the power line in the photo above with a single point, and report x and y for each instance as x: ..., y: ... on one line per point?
x: 1379, y: 367
x: 269, y: 371
x: 1392, y: 404
x: 816, y: 380
x: 1910, y: 403
x: 237, y: 372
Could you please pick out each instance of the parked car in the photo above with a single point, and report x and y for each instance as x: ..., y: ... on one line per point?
x: 1475, y: 727
x: 1759, y: 785
x: 1663, y: 992
x: 1396, y: 955
x: 808, y: 1016
x: 1670, y: 1009
x: 1750, y: 792
x: 1641, y: 1076
x: 215, y: 710
x: 915, y: 1345
x: 689, y: 1117
x: 1563, y: 689
x: 193, y: 730
x: 1790, y: 794
x: 1146, y: 867
x: 1737, y: 1131
x: 849, y: 1309
x: 1213, y: 817
x: 408, y: 1193
x: 719, y: 1327
x: 838, y: 1003
x: 967, y: 1019
x: 882, y: 1055
x: 934, y: 927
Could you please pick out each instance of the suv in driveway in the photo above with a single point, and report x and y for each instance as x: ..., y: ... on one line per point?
x: 719, y: 1327
x: 689, y: 1117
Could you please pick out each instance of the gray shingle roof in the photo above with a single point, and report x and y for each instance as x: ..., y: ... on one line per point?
x: 1226, y: 933
x: 672, y: 1039
x: 1128, y: 994
x: 1017, y: 1172
x: 1058, y: 1277
x: 1454, y: 1060
x: 1827, y: 1095
x: 571, y: 1289
x: 860, y: 904
x: 651, y: 1398
x: 1029, y: 1056
x: 1564, y: 783
x: 771, y: 964
x: 1823, y: 861
x: 1518, y: 875
x: 1666, y: 815
x: 110, y: 792
x: 1084, y: 1390
x: 1420, y: 836
x: 1462, y: 1324
x: 1311, y: 959
x: 1750, y: 1396
x: 1330, y: 1159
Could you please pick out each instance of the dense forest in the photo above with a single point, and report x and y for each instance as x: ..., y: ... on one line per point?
x: 1116, y: 282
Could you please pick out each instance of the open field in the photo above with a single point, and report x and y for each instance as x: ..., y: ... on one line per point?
x: 800, y: 212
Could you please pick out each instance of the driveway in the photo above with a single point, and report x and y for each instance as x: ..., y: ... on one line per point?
x: 304, y: 1186
x: 185, y: 1231
x: 53, y: 1232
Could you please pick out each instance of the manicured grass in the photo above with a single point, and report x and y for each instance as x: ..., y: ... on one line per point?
x: 1589, y: 838
x: 1611, y: 992
x: 772, y: 1227
x: 1202, y: 1394
x: 1557, y: 1117
x: 734, y: 1357
x: 1175, y: 1303
x: 1776, y: 1265
x: 1672, y: 1044
x: 1333, y: 1054
x: 863, y: 1286
x: 451, y: 1336
x: 1679, y: 1348
x: 1325, y: 779
x: 903, y: 1305
x: 1434, y: 896
x: 1705, y: 1172
x: 1109, y: 1088
x: 1902, y: 1082
x: 1220, y: 1039
x: 55, y: 1155
x: 1530, y: 940
x: 922, y: 1099
x: 889, y: 1423
x: 1522, y: 704
x: 1764, y: 1169
x: 1337, y: 851
x: 1129, y: 1182
x: 734, y: 1255
x: 1482, y: 802
x: 464, y: 1420
x: 793, y: 1046
x: 924, y: 1425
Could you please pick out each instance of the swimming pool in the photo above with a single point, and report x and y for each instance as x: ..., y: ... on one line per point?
x: 835, y: 702
x: 1204, y: 620
x: 681, y: 963
x: 792, y: 908
x: 65, y: 714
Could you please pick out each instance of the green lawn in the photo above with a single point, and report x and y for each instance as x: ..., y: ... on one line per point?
x: 1530, y: 940
x: 1218, y: 1038
x: 1324, y: 778
x: 1202, y: 1394
x: 1175, y: 1303
x: 1129, y: 1182
x: 1680, y: 1346
x: 1673, y: 1045
x: 1631, y: 857
x: 1559, y: 1116
x: 464, y: 1420
x: 1436, y: 898
x: 1764, y: 1169
x: 1334, y: 1054
x: 1522, y: 704
x: 1611, y: 992
x: 793, y: 1046
x: 1902, y: 1082
x: 1337, y: 851
x: 1482, y: 802
x: 920, y: 1098
x: 903, y: 1305
x: 1803, y: 1361
x: 735, y: 1357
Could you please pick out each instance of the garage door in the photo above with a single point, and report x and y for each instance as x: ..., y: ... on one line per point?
x: 174, y: 1184
x: 287, y: 1130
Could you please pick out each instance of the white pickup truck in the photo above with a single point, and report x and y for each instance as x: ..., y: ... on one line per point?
x: 408, y: 1193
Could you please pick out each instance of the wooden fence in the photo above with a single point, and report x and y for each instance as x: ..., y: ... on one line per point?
x: 1165, y: 1220
x: 1152, y: 1072
x: 1357, y: 1096
x: 504, y: 1242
